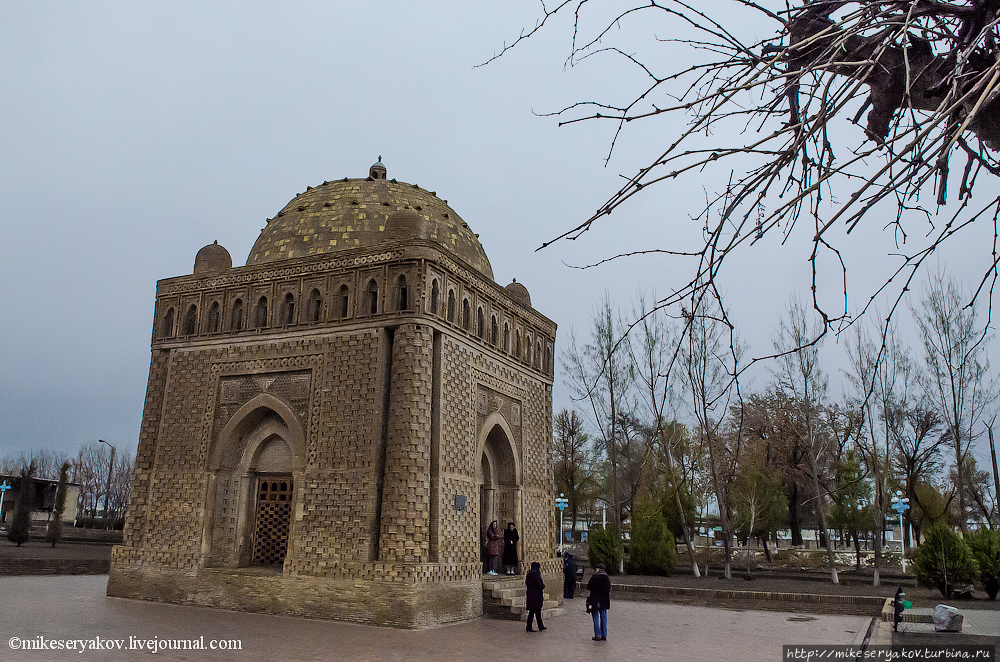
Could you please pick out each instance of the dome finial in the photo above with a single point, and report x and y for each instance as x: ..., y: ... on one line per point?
x: 377, y: 171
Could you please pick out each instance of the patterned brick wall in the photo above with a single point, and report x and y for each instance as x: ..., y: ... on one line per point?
x: 405, y: 526
x: 138, y: 523
x: 331, y: 377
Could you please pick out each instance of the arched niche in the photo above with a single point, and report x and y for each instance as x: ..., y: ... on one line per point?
x: 498, y: 474
x: 262, y: 441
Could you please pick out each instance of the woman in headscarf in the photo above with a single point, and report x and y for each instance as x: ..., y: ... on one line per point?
x: 493, y: 546
x: 535, y: 585
x: 510, y: 539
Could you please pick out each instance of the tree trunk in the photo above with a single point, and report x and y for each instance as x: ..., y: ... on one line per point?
x: 996, y: 476
x: 680, y: 509
x: 857, y: 550
x: 821, y: 510
x: 793, y: 515
x: 878, y: 540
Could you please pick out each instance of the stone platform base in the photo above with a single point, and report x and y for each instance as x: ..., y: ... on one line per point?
x: 411, y: 606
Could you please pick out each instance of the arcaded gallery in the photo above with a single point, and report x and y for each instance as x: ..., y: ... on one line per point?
x: 328, y: 429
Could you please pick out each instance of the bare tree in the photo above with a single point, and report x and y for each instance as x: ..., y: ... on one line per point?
x: 957, y: 370
x: 47, y: 463
x: 708, y: 377
x: 121, y: 487
x: 772, y: 95
x: 653, y: 354
x: 800, y: 376
x: 573, y: 471
x: 91, y: 472
x: 599, y: 375
x: 885, y: 379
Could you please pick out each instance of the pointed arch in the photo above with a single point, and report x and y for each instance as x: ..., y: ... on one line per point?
x: 500, y: 449
x: 250, y: 422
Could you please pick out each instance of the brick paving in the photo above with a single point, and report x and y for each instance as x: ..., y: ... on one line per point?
x: 75, y: 607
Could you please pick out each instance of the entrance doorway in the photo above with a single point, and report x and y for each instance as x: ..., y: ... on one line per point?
x: 499, y: 489
x: 274, y: 510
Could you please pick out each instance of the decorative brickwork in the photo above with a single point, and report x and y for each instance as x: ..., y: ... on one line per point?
x: 399, y: 433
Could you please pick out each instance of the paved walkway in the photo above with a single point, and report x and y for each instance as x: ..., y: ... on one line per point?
x: 979, y: 626
x: 75, y: 607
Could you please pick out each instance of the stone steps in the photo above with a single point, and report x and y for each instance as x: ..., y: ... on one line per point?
x: 505, y: 597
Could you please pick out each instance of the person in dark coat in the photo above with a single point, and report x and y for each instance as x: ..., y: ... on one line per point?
x: 569, y: 576
x: 510, y: 539
x: 493, y: 543
x: 534, y: 602
x: 600, y: 599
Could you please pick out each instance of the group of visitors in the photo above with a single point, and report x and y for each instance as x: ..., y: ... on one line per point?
x: 598, y: 602
x: 492, y: 548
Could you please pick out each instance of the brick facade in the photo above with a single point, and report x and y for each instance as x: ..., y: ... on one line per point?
x: 351, y: 377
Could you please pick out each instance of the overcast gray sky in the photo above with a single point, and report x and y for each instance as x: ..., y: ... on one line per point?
x: 134, y: 133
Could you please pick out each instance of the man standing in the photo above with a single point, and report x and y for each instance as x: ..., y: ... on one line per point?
x: 600, y: 601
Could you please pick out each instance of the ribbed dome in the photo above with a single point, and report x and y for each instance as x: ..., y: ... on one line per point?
x: 354, y: 213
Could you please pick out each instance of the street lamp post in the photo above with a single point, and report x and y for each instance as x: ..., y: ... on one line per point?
x: 107, y: 489
x: 561, y: 504
x: 900, y: 504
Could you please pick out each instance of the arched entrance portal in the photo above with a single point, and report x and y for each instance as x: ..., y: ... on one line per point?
x: 258, y: 457
x: 500, y: 488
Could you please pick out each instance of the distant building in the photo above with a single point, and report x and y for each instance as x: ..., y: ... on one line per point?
x: 45, y: 499
x: 328, y: 430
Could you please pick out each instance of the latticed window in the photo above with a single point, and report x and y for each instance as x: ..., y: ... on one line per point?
x: 274, y: 507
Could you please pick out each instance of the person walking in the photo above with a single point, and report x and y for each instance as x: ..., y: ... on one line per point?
x: 493, y: 544
x: 600, y: 601
x: 569, y: 576
x: 534, y: 585
x: 510, y: 539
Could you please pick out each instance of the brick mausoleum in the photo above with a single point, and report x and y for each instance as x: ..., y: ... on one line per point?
x: 328, y: 429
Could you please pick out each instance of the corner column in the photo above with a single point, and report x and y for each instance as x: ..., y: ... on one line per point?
x: 406, y: 491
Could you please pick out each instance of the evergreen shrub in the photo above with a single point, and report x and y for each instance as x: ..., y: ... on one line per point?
x: 944, y: 561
